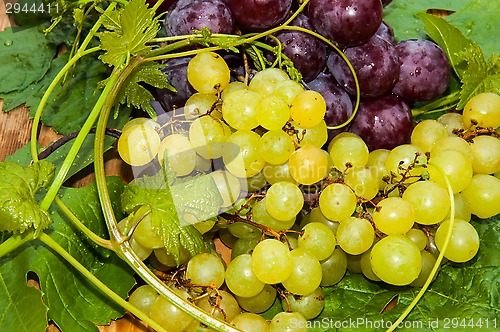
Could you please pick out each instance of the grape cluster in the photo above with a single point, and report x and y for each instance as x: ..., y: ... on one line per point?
x: 302, y: 204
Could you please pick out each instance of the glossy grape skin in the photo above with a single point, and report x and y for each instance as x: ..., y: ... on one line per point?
x: 383, y: 123
x: 375, y: 62
x: 169, y: 316
x: 424, y: 72
x: 483, y: 110
x: 346, y: 22
x: 310, y: 305
x: 464, y: 241
x: 386, y: 32
x: 143, y: 298
x: 259, y: 14
x: 483, y: 195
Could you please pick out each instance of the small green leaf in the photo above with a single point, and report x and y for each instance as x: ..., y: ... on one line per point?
x: 19, y: 210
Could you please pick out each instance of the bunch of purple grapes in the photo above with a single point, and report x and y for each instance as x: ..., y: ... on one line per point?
x: 391, y: 75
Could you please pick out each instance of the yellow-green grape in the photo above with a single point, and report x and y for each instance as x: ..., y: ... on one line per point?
x: 207, y: 136
x: 418, y: 237
x: 168, y: 315
x: 253, y: 183
x: 428, y: 261
x: 138, y: 144
x: 199, y: 104
x: 376, y: 161
x: 277, y: 173
x: 288, y: 321
x: 486, y: 154
x: 146, y: 235
x: 288, y: 90
x: 430, y: 201
x: 457, y: 167
x: 355, y: 235
x: 250, y: 322
x: 262, y: 217
x: 316, y: 216
x: 272, y: 261
x: 452, y: 143
x: 229, y: 187
x: 403, y: 156
x: 306, y: 273
x: 310, y: 305
x: 264, y: 82
x: 284, y: 200
x: 143, y: 298
x: 337, y: 202
x: 366, y: 266
x: 260, y: 302
x: 396, y: 260
x: 426, y: 132
x: 334, y: 267
x: 363, y: 180
x: 202, y: 226
x: 272, y: 112
x: 208, y: 72
x: 243, y: 246
x: 317, y: 135
x: 308, y: 165
x: 226, y: 307
x: 276, y: 147
x: 394, y: 215
x: 205, y: 269
x: 317, y: 239
x: 482, y: 110
x: 462, y: 208
x: 339, y: 136
x: 180, y: 152
x: 241, y: 154
x: 168, y: 259
x: 354, y: 263
x: 142, y: 121
x: 231, y: 87
x: 453, y: 122
x: 349, y: 150
x: 483, y: 195
x: 308, y: 109
x: 464, y: 241
x: 202, y: 165
x: 240, y: 278
x: 239, y: 109
x: 243, y: 230
x: 141, y: 251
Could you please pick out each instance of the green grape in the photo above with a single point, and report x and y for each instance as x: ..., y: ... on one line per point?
x: 239, y: 109
x: 277, y: 173
x: 482, y: 110
x: 288, y: 90
x: 199, y: 104
x: 254, y: 183
x: 244, y: 246
x: 337, y: 202
x: 317, y: 239
x: 264, y: 82
x: 453, y: 122
x: 261, y: 216
x: 143, y: 122
x: 138, y: 144
x: 354, y: 263
x: 202, y: 165
x: 339, y: 136
x: 241, y: 154
x: 376, y: 161
x: 426, y: 132
x: 197, y: 326
x: 260, y: 302
x: 316, y: 216
x: 317, y: 135
x: 308, y: 109
x: 272, y: 112
x: 349, y: 150
x: 207, y: 72
x: 229, y: 187
x: 288, y: 322
x: 205, y: 269
x: 363, y: 180
x: 202, y: 226
x: 333, y: 268
x: 457, y: 167
x: 168, y: 259
x: 486, y: 154
x: 308, y: 165
x: 240, y: 278
x: 207, y: 136
x: 243, y: 230
x: 483, y: 195
x: 462, y: 208
x: 464, y: 241
x: 180, y: 152
x: 227, y: 306
x: 452, y: 143
x: 306, y: 273
x: 396, y: 260
x: 226, y: 237
x: 394, y: 215
x: 272, y: 261
x: 143, y: 298
x: 284, y: 200
x: 428, y: 261
x: 276, y: 147
x: 310, y: 305
x: 169, y: 316
x: 146, y: 235
x: 250, y: 322
x: 366, y: 266
x: 232, y: 87
x: 429, y: 200
x: 141, y: 251
x: 355, y: 235
x: 418, y: 237
x: 401, y: 157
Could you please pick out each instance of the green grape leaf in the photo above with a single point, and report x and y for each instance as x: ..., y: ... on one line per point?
x: 129, y: 30
x: 170, y: 203
x: 19, y: 209
x: 73, y: 303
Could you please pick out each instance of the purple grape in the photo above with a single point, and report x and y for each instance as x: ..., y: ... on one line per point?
x: 259, y: 14
x: 376, y: 65
x: 338, y: 104
x: 385, y: 31
x: 383, y: 123
x: 424, y: 72
x: 186, y: 16
x: 347, y: 22
x: 307, y: 52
